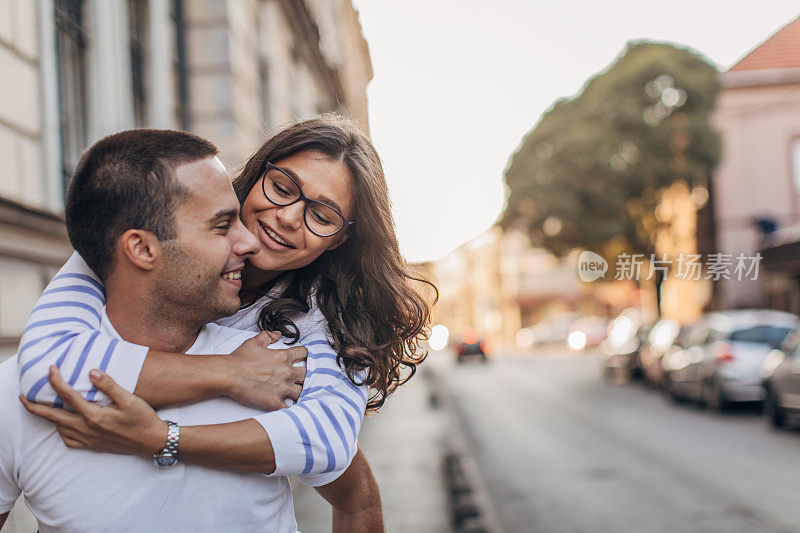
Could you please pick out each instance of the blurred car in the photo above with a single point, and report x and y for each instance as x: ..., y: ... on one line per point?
x: 721, y: 362
x: 665, y: 336
x: 471, y: 351
x: 620, y: 349
x: 553, y: 329
x: 781, y: 380
x: 587, y: 332
x: 472, y: 347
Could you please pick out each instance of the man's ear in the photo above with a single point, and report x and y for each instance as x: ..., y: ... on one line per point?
x: 140, y: 248
x: 338, y: 241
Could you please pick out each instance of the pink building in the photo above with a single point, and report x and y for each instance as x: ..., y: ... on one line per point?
x: 758, y: 178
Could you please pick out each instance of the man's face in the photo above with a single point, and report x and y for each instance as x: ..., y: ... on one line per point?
x: 202, y: 265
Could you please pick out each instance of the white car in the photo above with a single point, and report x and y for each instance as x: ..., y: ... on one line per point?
x: 721, y: 362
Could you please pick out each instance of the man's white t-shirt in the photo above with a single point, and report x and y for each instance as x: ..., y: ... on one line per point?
x: 83, y: 491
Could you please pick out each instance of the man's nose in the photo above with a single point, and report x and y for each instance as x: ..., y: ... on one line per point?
x: 245, y: 242
x: 291, y: 216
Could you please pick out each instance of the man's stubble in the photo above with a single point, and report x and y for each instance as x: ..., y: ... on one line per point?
x: 189, y: 290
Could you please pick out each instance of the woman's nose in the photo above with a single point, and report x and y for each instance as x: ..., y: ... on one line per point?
x: 291, y: 216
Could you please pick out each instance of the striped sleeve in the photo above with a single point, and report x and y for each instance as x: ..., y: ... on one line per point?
x: 64, y: 330
x: 316, y: 438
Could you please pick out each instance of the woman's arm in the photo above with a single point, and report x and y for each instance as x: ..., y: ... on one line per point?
x: 315, y: 439
x: 64, y: 330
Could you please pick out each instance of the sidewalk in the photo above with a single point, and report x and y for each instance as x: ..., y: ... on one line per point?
x: 404, y: 443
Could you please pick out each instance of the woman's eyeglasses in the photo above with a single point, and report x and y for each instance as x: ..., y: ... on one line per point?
x: 282, y: 189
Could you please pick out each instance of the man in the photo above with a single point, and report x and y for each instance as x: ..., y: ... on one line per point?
x: 166, y: 276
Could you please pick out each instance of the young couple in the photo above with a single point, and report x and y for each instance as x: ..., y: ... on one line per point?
x: 179, y: 278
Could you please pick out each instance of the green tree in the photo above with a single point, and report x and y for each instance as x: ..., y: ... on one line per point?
x: 588, y: 175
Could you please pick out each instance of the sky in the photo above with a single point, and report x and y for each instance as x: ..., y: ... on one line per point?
x: 458, y: 83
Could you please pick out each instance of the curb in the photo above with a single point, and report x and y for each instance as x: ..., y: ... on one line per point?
x: 471, y: 510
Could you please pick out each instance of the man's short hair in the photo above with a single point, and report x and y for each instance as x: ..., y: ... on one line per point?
x: 127, y: 181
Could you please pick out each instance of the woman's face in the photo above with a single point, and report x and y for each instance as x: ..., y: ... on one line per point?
x: 320, y: 178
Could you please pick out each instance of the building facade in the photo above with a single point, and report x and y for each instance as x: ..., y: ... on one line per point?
x: 77, y: 70
x: 756, y: 186
x: 497, y: 283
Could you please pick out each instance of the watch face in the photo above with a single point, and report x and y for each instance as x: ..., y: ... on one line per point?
x: 166, y: 460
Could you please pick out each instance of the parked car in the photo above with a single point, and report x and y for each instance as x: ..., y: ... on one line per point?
x: 781, y: 380
x: 723, y: 356
x: 665, y: 336
x: 620, y: 349
x: 471, y: 347
x: 553, y: 329
x: 587, y: 332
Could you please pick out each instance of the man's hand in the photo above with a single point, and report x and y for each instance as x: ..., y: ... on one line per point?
x: 265, y: 378
x: 127, y: 426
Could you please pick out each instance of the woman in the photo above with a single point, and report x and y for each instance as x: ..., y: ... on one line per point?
x: 328, y: 275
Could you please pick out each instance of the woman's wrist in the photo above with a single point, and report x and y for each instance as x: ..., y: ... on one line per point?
x: 217, y: 376
x: 169, y: 379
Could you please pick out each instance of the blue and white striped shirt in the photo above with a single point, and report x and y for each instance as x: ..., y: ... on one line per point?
x: 315, y: 439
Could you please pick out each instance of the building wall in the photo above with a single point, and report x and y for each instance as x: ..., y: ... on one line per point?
x: 754, y: 177
x: 21, y: 176
x: 497, y: 283
x: 246, y: 67
x: 32, y: 244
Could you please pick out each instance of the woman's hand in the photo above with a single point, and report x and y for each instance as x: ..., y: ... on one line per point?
x: 262, y: 377
x: 127, y: 426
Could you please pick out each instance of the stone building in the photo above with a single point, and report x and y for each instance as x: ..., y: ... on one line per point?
x: 76, y: 70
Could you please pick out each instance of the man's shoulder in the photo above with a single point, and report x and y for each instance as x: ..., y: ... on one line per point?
x: 9, y: 374
x: 224, y: 340
x: 9, y: 390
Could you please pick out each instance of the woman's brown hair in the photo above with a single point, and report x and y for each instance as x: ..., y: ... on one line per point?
x: 366, y: 291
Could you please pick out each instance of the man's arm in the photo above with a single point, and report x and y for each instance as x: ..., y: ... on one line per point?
x: 131, y: 426
x: 3, y: 518
x: 355, y: 498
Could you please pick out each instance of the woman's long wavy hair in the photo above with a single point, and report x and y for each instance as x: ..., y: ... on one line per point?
x: 376, y: 315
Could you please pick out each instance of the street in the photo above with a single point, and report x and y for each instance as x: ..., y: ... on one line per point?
x: 559, y: 450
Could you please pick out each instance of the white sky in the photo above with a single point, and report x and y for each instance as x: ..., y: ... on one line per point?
x: 458, y: 83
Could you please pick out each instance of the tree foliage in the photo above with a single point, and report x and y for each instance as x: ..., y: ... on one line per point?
x: 589, y: 174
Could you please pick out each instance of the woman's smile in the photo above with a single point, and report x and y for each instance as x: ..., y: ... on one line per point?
x: 271, y: 238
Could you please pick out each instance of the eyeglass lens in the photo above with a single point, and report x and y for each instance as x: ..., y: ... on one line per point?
x: 282, y: 190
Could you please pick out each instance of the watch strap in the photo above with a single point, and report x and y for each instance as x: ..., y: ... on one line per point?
x: 168, y: 456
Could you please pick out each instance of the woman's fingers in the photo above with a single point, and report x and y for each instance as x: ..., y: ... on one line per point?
x: 263, y: 339
x: 57, y: 416
x: 297, y: 354
x: 106, y: 383
x: 295, y: 391
x: 299, y: 375
x: 70, y: 396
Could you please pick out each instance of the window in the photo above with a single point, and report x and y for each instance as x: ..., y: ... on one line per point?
x: 795, y: 155
x: 263, y: 80
x: 180, y: 68
x: 139, y: 24
x: 71, y: 63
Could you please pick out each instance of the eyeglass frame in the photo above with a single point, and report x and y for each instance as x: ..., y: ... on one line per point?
x: 269, y: 166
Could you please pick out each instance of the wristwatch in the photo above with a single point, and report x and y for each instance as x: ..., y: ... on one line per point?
x: 169, y: 455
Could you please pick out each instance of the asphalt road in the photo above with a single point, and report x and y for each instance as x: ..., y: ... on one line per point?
x: 559, y: 450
